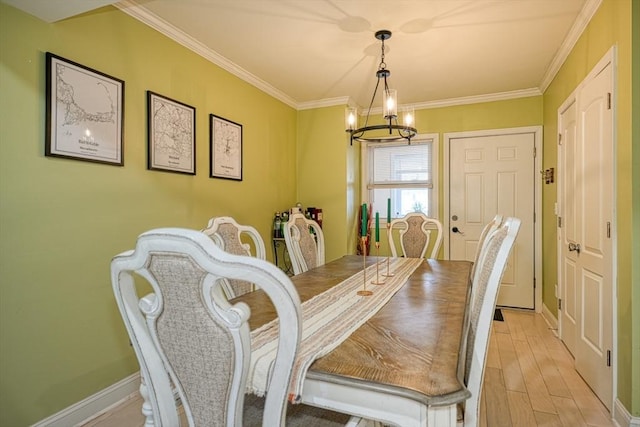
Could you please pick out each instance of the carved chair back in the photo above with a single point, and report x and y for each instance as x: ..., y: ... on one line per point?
x: 415, y: 232
x: 227, y: 234
x: 189, y: 338
x: 489, y: 228
x: 305, y: 243
x: 484, y: 293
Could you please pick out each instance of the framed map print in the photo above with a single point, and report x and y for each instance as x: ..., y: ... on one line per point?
x: 84, y: 113
x: 225, y: 148
x: 171, y: 135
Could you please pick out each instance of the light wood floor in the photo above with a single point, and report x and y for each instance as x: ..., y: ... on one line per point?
x: 529, y: 381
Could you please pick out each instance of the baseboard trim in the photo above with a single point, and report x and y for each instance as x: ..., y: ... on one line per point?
x: 94, y: 405
x: 551, y: 319
x: 622, y: 417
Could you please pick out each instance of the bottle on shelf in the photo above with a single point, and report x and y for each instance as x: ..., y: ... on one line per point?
x: 277, y: 226
x: 307, y: 215
x: 284, y: 219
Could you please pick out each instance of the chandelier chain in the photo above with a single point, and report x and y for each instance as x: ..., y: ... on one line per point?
x: 383, y: 65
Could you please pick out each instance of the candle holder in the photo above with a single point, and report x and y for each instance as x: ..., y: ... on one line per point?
x: 388, y: 274
x: 377, y: 280
x: 364, y: 292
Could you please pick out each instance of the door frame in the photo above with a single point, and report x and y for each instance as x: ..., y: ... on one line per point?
x: 537, y: 232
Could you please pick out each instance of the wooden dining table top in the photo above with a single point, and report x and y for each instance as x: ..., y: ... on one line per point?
x: 410, y: 347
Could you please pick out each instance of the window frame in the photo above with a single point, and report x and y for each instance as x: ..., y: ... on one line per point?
x: 366, y: 166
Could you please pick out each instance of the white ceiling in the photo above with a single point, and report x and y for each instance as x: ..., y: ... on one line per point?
x: 55, y: 10
x: 321, y: 52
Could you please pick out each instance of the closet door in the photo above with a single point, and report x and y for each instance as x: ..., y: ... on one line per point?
x: 586, y: 232
x: 567, y: 232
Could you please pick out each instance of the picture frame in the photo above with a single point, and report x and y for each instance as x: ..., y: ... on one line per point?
x: 225, y: 147
x: 171, y: 135
x: 84, y: 113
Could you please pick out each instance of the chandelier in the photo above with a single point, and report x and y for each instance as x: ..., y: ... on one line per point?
x: 374, y: 133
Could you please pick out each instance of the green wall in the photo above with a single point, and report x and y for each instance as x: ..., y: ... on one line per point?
x: 611, y: 25
x: 326, y: 159
x: 328, y: 176
x: 633, y: 319
x: 61, y: 221
x: 487, y: 115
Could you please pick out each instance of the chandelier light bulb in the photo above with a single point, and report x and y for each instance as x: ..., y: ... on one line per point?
x: 408, y: 118
x: 351, y: 118
x: 404, y: 131
x: 390, y: 110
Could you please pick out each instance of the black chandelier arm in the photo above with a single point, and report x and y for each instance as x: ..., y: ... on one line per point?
x: 404, y: 133
x: 373, y: 97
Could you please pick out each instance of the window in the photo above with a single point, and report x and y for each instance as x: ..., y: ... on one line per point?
x: 406, y: 174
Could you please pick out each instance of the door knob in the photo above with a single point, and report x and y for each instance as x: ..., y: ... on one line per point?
x: 574, y: 247
x: 457, y: 230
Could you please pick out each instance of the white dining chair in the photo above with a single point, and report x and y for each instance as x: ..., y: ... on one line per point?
x: 484, y: 293
x: 489, y: 228
x: 305, y: 243
x: 227, y: 234
x: 415, y: 232
x: 186, y: 334
x: 194, y: 347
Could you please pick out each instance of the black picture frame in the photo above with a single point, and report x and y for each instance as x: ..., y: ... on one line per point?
x: 171, y: 135
x: 225, y: 148
x: 84, y: 113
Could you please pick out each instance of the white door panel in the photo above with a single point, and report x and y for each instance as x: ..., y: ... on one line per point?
x: 595, y: 201
x: 492, y: 174
x: 567, y: 203
x: 586, y: 201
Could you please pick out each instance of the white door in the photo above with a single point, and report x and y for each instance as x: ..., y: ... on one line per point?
x: 488, y: 174
x: 567, y: 233
x: 586, y: 233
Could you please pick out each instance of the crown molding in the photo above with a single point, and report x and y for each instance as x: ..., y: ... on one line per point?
x: 490, y: 97
x: 466, y: 100
x: 327, y: 102
x: 581, y: 22
x: 476, y: 99
x: 144, y: 16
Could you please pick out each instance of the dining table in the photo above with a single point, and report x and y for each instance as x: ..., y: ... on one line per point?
x: 404, y: 364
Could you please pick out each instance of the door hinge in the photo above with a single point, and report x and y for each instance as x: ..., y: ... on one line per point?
x: 534, y: 283
x: 559, y: 139
x: 608, y: 357
x: 559, y: 222
x: 608, y: 229
x: 608, y: 100
x: 559, y: 303
x: 534, y: 152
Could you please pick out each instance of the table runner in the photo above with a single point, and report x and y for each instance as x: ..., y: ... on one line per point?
x: 327, y: 320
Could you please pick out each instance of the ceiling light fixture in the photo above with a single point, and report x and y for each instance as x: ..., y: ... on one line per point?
x: 373, y: 133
